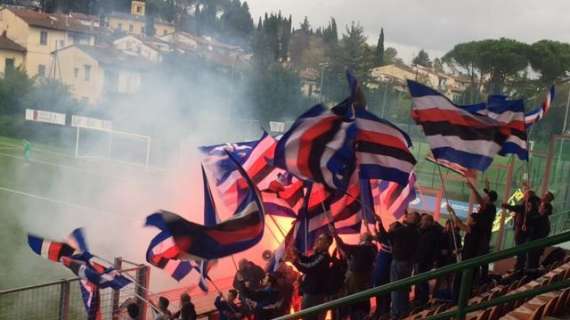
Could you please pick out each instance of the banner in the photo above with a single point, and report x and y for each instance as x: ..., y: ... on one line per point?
x: 45, y: 116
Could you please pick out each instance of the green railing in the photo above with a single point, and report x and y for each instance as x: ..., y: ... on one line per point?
x: 466, y: 269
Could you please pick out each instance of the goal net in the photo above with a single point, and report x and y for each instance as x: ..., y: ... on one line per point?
x: 113, y: 145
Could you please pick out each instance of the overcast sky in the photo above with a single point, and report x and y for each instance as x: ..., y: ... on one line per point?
x: 434, y: 25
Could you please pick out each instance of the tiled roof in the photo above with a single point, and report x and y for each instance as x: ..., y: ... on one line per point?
x: 7, y: 44
x: 52, y: 21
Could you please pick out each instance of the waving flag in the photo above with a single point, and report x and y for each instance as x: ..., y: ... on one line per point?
x: 382, y: 149
x: 456, y: 135
x: 319, y: 148
x: 256, y: 158
x: 156, y: 256
x: 535, y: 115
x: 74, y: 255
x: 285, y: 201
x: 188, y: 240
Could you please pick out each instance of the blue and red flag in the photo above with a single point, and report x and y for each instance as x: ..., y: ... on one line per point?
x: 468, y: 138
x: 319, y: 148
x: 189, y: 240
x: 74, y: 255
x: 535, y: 115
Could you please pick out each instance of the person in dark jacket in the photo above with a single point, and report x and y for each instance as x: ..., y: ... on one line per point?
x: 360, y: 260
x: 479, y: 226
x: 266, y: 301
x: 227, y: 307
x: 381, y: 275
x: 520, y: 226
x: 404, y: 238
x: 450, y: 249
x: 187, y: 310
x: 315, y: 270
x: 538, y: 227
x: 430, y: 235
x: 248, y: 271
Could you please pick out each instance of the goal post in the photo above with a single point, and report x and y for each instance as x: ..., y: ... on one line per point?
x: 115, y: 145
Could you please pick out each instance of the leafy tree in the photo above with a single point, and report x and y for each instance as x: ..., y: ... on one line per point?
x: 276, y: 93
x: 14, y: 88
x: 438, y: 65
x: 330, y: 33
x: 380, y: 49
x: 550, y: 58
x: 498, y: 60
x: 422, y: 59
x: 391, y: 56
x: 52, y: 95
x: 305, y: 26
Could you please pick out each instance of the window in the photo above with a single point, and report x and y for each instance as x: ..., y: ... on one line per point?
x: 8, y: 65
x: 61, y: 44
x: 164, y: 32
x: 87, y: 70
x: 43, y: 38
x: 120, y: 27
x: 131, y: 28
x: 41, y: 71
x: 142, y: 29
x: 76, y: 72
x: 84, y: 100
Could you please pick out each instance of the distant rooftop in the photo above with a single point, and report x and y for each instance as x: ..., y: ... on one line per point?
x: 7, y: 44
x: 54, y: 21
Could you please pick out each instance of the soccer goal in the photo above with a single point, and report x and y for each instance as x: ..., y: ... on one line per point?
x: 127, y: 147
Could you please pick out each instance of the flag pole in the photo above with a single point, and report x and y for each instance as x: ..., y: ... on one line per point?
x: 453, y: 235
x: 277, y: 225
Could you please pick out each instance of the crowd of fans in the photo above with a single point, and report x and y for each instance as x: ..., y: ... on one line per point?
x: 415, y: 245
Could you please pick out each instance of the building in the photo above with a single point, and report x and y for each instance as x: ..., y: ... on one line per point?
x: 12, y: 55
x: 221, y: 54
x: 136, y: 22
x: 41, y: 34
x: 310, y: 85
x: 397, y: 75
x: 95, y: 73
x: 150, y: 49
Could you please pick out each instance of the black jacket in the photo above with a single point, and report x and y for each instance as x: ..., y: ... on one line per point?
x: 404, y: 239
x: 316, y: 272
x: 428, y: 245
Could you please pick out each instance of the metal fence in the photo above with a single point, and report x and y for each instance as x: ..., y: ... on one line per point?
x: 62, y: 300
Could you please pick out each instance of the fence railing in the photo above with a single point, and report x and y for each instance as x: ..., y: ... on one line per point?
x: 465, y: 269
x: 62, y: 300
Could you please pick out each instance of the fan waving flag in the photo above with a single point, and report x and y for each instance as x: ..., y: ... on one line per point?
x: 456, y: 135
x: 319, y: 148
x: 188, y: 240
x: 535, y: 115
x: 74, y: 255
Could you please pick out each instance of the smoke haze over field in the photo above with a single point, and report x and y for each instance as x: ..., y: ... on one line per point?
x: 53, y: 194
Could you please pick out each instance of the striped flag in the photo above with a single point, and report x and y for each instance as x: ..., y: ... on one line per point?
x: 161, y: 255
x: 535, y: 115
x: 188, y: 240
x: 392, y: 199
x: 74, y: 255
x: 456, y: 135
x: 319, y: 148
x: 257, y: 160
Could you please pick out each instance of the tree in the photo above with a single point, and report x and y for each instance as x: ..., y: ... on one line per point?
x: 305, y: 26
x: 391, y: 56
x: 438, y: 65
x: 14, y: 88
x: 380, y: 49
x: 550, y: 58
x: 330, y: 33
x: 502, y: 60
x: 422, y: 59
